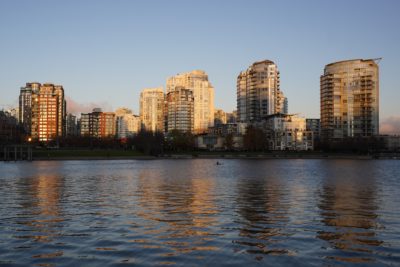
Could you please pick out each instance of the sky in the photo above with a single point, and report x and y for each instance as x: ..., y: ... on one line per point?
x: 105, y: 52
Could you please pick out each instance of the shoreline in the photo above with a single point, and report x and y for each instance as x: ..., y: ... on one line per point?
x: 223, y: 156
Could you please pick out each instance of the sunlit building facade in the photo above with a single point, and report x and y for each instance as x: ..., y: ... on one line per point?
x: 180, y: 110
x: 43, y: 111
x: 152, y: 109
x: 219, y: 117
x: 282, y: 103
x: 98, y: 124
x: 288, y: 132
x: 127, y: 123
x: 258, y: 92
x: 83, y: 124
x: 203, y: 93
x: 350, y: 99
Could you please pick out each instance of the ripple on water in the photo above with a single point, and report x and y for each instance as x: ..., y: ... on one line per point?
x: 190, y: 213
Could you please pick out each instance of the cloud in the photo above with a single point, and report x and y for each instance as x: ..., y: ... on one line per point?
x: 78, y: 108
x: 390, y: 125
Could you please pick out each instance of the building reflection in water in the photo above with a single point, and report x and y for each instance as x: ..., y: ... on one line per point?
x: 41, y: 212
x: 348, y: 204
x: 179, y: 210
x: 262, y: 207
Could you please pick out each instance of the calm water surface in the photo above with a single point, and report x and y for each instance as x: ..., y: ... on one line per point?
x: 197, y: 213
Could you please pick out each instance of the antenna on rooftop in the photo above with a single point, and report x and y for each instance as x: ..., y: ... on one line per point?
x: 377, y: 60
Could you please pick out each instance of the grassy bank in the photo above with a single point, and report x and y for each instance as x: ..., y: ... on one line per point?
x: 80, y: 154
x: 75, y: 153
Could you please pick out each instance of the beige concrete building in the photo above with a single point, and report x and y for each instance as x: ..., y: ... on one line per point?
x: 43, y: 111
x: 127, y: 123
x: 281, y: 103
x: 203, y: 93
x: 288, y: 132
x: 258, y: 92
x: 180, y: 110
x: 152, y: 109
x: 219, y: 117
x: 350, y: 99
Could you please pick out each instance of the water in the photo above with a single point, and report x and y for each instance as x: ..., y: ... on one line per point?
x: 197, y: 213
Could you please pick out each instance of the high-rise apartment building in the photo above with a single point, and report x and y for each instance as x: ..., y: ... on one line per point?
x: 25, y: 105
x: 180, y: 110
x: 97, y: 124
x: 203, y: 93
x: 127, y: 123
x: 48, y: 113
x: 350, y: 99
x: 258, y: 92
x: 71, y: 128
x: 43, y: 111
x: 152, y: 109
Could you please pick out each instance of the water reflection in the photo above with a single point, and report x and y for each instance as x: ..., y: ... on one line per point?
x: 263, y: 216
x: 41, y: 211
x: 179, y: 210
x: 40, y: 220
x: 193, y: 212
x: 348, y: 205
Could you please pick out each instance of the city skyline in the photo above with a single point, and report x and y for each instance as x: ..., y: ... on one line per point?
x: 81, y: 53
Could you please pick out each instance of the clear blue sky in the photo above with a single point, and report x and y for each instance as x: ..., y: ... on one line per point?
x: 107, y: 51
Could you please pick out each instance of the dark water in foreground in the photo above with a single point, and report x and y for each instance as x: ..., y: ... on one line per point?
x: 193, y: 212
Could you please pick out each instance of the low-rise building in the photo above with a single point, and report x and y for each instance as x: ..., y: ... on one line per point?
x: 218, y: 142
x: 219, y: 117
x: 231, y: 117
x: 288, y: 132
x: 228, y: 128
x: 314, y: 125
x: 10, y: 132
x: 98, y: 124
x: 390, y: 143
x: 127, y: 123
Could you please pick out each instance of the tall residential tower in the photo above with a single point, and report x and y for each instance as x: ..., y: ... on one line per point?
x: 180, y: 110
x: 350, y: 99
x: 43, y: 111
x: 203, y: 93
x: 258, y: 92
x: 152, y: 109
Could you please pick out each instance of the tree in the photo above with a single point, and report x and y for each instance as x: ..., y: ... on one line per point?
x: 255, y: 139
x: 149, y: 143
x: 229, y: 142
x: 180, y: 141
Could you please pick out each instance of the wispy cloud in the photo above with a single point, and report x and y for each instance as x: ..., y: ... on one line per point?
x: 76, y: 108
x: 390, y: 125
